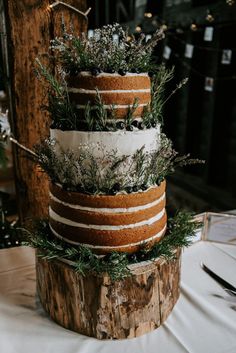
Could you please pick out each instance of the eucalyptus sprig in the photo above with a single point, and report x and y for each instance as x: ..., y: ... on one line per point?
x: 130, y: 114
x: 181, y: 230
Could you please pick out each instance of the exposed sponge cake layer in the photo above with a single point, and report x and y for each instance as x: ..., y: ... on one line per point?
x: 95, y: 216
x: 106, y: 81
x: 113, y: 89
x: 119, y: 111
x: 108, y: 221
x: 109, y: 201
x: 110, y: 97
x: 105, y: 237
x: 129, y: 248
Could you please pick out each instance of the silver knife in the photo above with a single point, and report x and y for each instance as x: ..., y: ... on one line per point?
x: 226, y: 285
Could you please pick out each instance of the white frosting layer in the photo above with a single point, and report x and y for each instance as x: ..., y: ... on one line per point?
x: 100, y: 143
x: 142, y: 242
x: 53, y: 215
x: 116, y: 106
x: 106, y: 74
x: 94, y: 91
x: 108, y: 210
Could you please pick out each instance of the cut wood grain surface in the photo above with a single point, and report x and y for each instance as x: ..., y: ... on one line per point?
x: 95, y: 306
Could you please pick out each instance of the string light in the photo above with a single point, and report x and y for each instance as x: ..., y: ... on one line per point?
x: 209, y: 16
x: 193, y: 27
x: 56, y: 3
x: 138, y: 29
x: 164, y: 27
x: 230, y: 2
x: 179, y: 30
x: 148, y: 14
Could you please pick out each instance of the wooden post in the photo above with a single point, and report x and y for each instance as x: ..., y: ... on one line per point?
x: 30, y: 25
x: 95, y: 306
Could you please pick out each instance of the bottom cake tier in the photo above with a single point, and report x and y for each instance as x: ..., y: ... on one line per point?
x: 106, y: 223
x: 95, y: 306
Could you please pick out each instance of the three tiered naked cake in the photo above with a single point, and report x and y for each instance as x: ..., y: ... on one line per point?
x: 124, y: 220
x: 107, y: 160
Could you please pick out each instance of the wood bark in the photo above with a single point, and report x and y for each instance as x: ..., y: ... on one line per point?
x: 31, y: 24
x: 94, y: 306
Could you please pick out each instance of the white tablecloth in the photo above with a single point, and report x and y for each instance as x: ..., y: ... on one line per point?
x: 203, y: 321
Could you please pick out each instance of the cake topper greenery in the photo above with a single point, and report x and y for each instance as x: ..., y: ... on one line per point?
x: 180, y: 231
x: 110, y: 50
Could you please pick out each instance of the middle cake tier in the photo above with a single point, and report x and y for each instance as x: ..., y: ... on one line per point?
x: 98, y: 151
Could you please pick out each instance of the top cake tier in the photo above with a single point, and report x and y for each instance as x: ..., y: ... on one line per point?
x: 117, y: 92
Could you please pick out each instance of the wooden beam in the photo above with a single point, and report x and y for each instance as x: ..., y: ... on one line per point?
x: 31, y: 24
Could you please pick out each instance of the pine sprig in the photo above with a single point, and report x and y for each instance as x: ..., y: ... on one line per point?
x: 83, y: 259
x: 181, y: 230
x: 131, y: 109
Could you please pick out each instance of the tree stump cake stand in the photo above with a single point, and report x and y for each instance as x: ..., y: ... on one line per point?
x: 95, y: 306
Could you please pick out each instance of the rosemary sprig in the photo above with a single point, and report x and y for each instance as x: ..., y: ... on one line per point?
x: 181, y: 230
x: 131, y: 109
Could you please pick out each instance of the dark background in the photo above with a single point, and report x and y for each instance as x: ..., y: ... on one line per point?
x: 199, y: 122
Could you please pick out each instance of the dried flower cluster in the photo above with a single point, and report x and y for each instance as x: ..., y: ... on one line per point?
x: 109, y: 49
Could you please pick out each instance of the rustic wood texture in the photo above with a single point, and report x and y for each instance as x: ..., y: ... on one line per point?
x: 95, y: 306
x: 31, y: 26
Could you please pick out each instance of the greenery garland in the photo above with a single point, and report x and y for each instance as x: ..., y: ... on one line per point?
x: 104, y: 175
x: 181, y: 230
